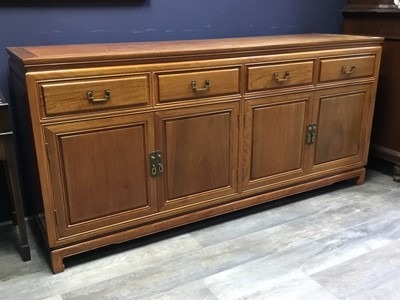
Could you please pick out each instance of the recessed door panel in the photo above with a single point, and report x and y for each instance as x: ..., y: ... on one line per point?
x: 100, y: 173
x: 274, y: 139
x: 339, y: 127
x: 277, y: 139
x: 200, y: 154
x: 99, y: 182
x: 343, y: 129
x: 203, y: 152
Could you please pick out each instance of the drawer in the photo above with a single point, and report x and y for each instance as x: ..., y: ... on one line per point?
x: 96, y: 94
x: 189, y: 85
x: 346, y: 68
x: 279, y: 75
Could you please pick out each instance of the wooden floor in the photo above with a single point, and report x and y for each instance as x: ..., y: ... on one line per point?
x: 340, y: 242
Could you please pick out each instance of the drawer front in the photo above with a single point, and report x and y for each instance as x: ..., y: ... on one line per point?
x: 279, y: 75
x: 80, y: 96
x: 346, y: 68
x: 190, y: 85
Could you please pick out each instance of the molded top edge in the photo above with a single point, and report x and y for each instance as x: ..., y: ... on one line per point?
x: 53, y: 54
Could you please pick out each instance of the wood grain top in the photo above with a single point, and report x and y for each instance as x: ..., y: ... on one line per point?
x: 54, y: 54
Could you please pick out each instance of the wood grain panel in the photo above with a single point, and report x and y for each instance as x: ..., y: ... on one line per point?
x: 277, y: 139
x: 100, y: 173
x: 346, y: 68
x: 71, y: 97
x: 203, y: 151
x: 178, y: 86
x: 200, y: 150
x: 98, y: 182
x: 339, y: 126
x: 262, y: 77
x: 274, y: 148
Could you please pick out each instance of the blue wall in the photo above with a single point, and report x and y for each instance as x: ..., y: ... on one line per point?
x: 100, y: 21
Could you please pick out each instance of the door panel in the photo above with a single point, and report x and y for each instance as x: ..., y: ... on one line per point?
x: 99, y: 183
x: 211, y: 164
x: 338, y: 134
x: 101, y: 172
x: 277, y: 142
x: 342, y: 128
x: 274, y: 139
x: 200, y: 148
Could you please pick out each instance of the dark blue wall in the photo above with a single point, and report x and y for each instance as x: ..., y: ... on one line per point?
x: 59, y: 22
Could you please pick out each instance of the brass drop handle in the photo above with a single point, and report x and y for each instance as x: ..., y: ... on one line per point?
x: 153, y: 162
x: 277, y: 78
x: 107, y: 96
x: 153, y: 171
x: 345, y: 71
x: 207, y: 84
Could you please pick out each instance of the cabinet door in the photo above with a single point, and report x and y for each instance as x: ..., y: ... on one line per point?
x: 274, y: 147
x: 200, y: 152
x: 100, y: 173
x: 343, y: 118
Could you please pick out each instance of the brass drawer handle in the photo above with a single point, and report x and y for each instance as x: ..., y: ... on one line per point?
x: 207, y: 84
x: 276, y: 76
x: 345, y: 71
x: 107, y: 96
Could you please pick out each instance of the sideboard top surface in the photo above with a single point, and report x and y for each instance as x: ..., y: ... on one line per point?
x: 55, y: 54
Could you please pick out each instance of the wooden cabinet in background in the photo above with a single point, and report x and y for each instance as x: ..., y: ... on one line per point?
x: 132, y: 139
x: 382, y: 18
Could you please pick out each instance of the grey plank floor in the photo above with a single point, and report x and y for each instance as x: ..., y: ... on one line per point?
x: 338, y: 242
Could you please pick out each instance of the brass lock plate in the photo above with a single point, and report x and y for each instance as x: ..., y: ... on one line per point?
x: 311, y: 134
x: 156, y: 163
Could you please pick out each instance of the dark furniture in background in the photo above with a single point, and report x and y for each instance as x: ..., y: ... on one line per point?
x: 7, y: 155
x: 382, y: 18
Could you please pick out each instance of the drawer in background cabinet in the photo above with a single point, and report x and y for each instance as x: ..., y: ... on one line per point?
x: 346, y: 68
x: 95, y: 94
x: 263, y: 77
x: 201, y: 84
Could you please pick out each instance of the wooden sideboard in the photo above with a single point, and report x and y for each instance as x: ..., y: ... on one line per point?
x: 131, y: 139
x: 382, y: 18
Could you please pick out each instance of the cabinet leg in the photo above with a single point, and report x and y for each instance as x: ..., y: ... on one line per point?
x: 8, y: 181
x: 361, y: 179
x: 396, y: 173
x: 57, y: 262
x: 25, y: 252
x: 15, y: 194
